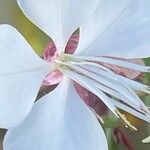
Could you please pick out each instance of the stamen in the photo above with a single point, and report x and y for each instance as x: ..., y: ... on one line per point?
x: 117, y: 62
x: 136, y: 85
x: 100, y: 94
x: 123, y: 117
x: 131, y: 83
x: 113, y: 85
x: 87, y: 84
x: 100, y: 80
x: 131, y: 111
x: 112, y: 78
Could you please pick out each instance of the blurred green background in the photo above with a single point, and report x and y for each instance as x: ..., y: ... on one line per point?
x: 11, y: 14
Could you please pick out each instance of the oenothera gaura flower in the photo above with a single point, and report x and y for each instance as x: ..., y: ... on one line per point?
x: 61, y: 120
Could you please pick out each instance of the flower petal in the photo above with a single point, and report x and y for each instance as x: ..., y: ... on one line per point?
x: 57, y: 122
x: 21, y: 74
x: 58, y: 18
x: 126, y: 36
x: 103, y: 17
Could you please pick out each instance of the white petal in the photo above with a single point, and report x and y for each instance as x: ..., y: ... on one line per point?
x: 126, y: 36
x: 58, y: 18
x: 103, y: 17
x: 59, y: 121
x: 21, y: 74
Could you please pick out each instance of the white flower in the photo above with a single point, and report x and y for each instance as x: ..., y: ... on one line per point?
x: 61, y: 120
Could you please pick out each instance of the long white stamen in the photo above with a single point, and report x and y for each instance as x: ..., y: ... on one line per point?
x: 117, y: 95
x: 117, y: 87
x: 136, y: 85
x: 91, y: 64
x: 131, y: 111
x: 117, y: 62
x: 87, y: 84
x: 118, y: 79
x: 110, y: 83
x: 131, y: 97
x: 133, y: 84
x: 107, y: 100
x: 102, y: 81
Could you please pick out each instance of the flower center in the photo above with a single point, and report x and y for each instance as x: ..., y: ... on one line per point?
x: 62, y: 60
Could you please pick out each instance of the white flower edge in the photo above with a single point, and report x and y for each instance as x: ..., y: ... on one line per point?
x: 21, y: 74
x: 59, y: 120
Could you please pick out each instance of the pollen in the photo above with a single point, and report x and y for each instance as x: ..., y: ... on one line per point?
x: 124, y: 119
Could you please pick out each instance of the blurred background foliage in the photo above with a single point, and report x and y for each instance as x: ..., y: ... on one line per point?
x: 11, y: 14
